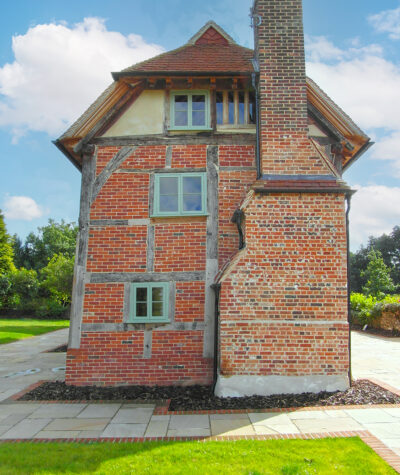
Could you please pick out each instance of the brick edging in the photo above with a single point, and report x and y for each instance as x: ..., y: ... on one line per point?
x: 375, y: 444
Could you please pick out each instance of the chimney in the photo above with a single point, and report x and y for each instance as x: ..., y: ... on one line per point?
x: 279, y: 44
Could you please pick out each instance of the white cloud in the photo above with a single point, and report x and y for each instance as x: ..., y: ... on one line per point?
x: 59, y: 70
x: 374, y: 211
x: 366, y: 86
x: 387, y: 21
x: 22, y: 207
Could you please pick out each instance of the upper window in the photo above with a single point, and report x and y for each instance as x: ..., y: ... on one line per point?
x: 190, y: 110
x: 235, y: 108
x: 180, y: 194
x: 149, y: 302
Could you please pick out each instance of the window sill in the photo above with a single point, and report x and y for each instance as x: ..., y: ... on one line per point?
x: 197, y: 215
x: 146, y: 320
x: 192, y: 129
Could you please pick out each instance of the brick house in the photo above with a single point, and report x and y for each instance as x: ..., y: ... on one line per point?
x: 213, y: 219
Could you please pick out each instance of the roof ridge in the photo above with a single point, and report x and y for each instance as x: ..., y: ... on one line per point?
x: 204, y: 28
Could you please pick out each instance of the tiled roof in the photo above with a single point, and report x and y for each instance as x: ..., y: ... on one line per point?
x: 199, y: 58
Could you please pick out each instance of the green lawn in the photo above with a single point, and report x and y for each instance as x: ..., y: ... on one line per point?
x: 250, y: 457
x: 13, y: 330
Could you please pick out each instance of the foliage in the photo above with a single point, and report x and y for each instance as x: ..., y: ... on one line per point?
x: 38, y: 249
x: 6, y: 249
x: 379, y: 283
x: 323, y: 456
x: 14, y: 330
x: 24, y: 289
x: 365, y: 308
x: 57, y: 278
x: 389, y: 246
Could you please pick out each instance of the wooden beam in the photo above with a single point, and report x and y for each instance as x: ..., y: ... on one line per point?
x: 225, y: 100
x: 109, y: 169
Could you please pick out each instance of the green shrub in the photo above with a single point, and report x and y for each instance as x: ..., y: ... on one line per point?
x: 24, y: 289
x: 361, y: 307
x: 366, y: 308
x: 57, y: 278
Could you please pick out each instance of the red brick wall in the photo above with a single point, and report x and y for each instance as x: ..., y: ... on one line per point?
x: 292, y: 271
x: 103, y: 303
x: 112, y: 359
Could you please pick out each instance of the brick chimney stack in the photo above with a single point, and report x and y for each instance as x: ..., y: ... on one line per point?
x: 279, y: 45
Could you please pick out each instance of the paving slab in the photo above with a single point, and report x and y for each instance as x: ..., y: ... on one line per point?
x: 13, y: 419
x: 337, y: 413
x: 188, y: 432
x: 4, y: 429
x: 306, y: 415
x: 384, y: 430
x: 133, y: 416
x: 392, y: 443
x: 189, y: 421
x: 393, y: 411
x: 229, y: 417
x: 90, y: 434
x: 270, y: 418
x: 157, y: 429
x: 231, y: 427
x: 57, y: 434
x: 370, y: 415
x: 9, y: 409
x: 26, y: 429
x: 132, y: 405
x: 308, y: 426
x: 78, y: 424
x: 99, y: 410
x: 124, y: 430
x: 58, y: 411
x: 264, y: 430
x: 160, y: 418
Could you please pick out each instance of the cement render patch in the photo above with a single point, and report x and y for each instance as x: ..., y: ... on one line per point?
x: 26, y: 429
x: 124, y: 430
x: 78, y: 424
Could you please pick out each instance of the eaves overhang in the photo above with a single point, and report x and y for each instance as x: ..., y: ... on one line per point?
x: 148, y: 74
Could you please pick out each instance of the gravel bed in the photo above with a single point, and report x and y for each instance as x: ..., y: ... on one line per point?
x: 192, y: 398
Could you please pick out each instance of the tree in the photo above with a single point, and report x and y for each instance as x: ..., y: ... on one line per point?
x: 38, y: 249
x: 379, y: 283
x: 6, y: 250
x: 58, y: 276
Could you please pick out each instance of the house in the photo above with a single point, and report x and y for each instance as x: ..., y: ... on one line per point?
x: 213, y: 228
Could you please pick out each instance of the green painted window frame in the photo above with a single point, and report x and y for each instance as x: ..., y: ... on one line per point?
x: 190, y: 94
x: 149, y: 318
x: 180, y: 212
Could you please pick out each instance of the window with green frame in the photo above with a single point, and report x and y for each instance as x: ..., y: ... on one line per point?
x: 180, y: 194
x: 190, y: 110
x: 149, y: 302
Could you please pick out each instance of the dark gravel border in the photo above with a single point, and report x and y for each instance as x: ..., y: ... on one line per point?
x: 194, y: 398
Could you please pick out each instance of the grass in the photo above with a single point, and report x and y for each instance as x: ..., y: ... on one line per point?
x: 14, y: 330
x: 247, y: 457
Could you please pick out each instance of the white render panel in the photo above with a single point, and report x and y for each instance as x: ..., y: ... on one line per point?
x: 242, y: 385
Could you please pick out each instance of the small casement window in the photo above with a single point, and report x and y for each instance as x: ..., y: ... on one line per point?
x: 190, y: 110
x: 235, y: 108
x: 149, y: 302
x: 180, y: 194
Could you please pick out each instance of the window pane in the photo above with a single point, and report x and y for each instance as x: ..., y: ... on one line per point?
x: 157, y: 294
x: 181, y: 103
x: 141, y: 295
x: 241, y: 107
x: 220, y: 108
x: 231, y: 106
x: 168, y: 186
x: 199, y: 102
x: 169, y: 203
x: 141, y: 309
x: 199, y: 118
x: 157, y: 309
x: 181, y: 110
x: 252, y: 107
x: 181, y: 118
x: 191, y: 184
x: 192, y: 202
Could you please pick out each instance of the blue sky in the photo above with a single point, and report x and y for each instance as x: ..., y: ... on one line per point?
x: 55, y: 58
